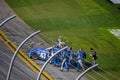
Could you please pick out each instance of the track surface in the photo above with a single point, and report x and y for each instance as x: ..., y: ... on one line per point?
x: 17, y: 31
x: 20, y: 70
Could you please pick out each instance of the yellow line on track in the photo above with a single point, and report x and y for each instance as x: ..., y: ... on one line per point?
x: 31, y: 64
x: 0, y: 38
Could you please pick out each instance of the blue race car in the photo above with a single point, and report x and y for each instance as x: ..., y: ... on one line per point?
x: 42, y: 53
x: 39, y: 53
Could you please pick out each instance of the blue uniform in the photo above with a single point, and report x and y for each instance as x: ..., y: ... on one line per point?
x: 81, y: 55
x: 65, y: 62
x: 56, y: 61
x: 70, y: 55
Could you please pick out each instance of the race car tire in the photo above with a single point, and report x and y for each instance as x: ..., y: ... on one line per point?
x: 34, y: 56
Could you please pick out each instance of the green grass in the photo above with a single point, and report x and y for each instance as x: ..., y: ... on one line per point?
x: 83, y: 23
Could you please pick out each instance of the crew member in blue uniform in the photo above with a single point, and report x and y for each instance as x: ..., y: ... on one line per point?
x: 81, y: 56
x: 65, y: 61
x: 56, y: 60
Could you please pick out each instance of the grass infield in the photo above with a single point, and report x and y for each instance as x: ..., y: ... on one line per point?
x: 82, y: 23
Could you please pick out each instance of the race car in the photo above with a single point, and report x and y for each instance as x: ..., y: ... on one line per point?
x: 41, y: 53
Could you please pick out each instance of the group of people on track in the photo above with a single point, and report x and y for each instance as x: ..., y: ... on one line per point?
x: 68, y: 58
